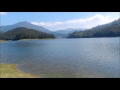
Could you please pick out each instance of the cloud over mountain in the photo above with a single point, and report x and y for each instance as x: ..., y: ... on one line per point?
x: 90, y: 22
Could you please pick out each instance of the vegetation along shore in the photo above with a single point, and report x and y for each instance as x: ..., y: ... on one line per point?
x: 10, y: 71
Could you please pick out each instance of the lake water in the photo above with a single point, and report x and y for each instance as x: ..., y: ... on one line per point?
x: 65, y: 58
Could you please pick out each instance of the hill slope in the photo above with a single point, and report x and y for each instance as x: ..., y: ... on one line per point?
x: 107, y: 30
x: 25, y: 33
x: 24, y: 24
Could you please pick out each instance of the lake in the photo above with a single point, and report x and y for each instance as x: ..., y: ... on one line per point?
x: 65, y: 58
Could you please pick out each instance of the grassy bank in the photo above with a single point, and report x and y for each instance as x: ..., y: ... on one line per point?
x: 10, y: 71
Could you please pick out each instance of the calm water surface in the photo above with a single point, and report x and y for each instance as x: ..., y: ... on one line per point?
x: 77, y: 58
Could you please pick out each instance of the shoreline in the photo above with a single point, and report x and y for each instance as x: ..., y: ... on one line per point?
x: 2, y: 40
x: 11, y: 71
x: 36, y: 39
x: 54, y: 38
x: 26, y: 39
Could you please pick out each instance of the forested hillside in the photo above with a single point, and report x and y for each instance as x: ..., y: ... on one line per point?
x: 108, y: 30
x: 24, y: 33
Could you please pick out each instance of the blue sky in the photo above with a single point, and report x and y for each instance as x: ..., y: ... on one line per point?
x: 60, y: 20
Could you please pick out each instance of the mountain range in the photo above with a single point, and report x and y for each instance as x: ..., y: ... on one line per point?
x: 24, y: 24
x: 69, y: 30
x: 57, y: 33
x: 81, y: 32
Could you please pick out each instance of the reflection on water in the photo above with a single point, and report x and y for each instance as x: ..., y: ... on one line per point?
x: 85, y: 57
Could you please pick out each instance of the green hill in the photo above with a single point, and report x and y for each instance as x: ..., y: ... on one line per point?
x: 107, y: 30
x: 24, y: 33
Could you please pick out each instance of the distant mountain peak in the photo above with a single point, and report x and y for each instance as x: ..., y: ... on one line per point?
x: 23, y: 22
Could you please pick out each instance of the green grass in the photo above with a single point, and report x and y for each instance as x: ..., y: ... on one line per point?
x: 10, y: 71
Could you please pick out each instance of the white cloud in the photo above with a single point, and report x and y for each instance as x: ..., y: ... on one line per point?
x: 2, y: 13
x: 77, y: 23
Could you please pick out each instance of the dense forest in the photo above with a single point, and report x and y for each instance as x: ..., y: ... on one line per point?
x: 108, y: 30
x: 24, y: 33
x: 1, y: 35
